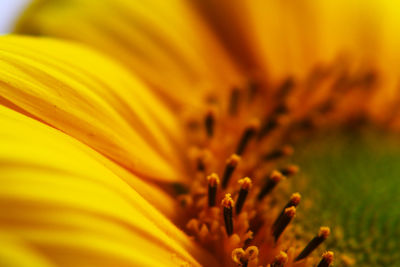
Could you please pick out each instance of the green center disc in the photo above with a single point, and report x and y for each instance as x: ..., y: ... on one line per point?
x: 351, y: 182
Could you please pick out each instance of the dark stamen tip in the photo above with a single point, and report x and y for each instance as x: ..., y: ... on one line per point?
x: 244, y: 190
x: 230, y: 167
x: 290, y: 170
x: 293, y: 202
x: 234, y: 101
x: 323, y: 234
x: 278, y: 153
x: 276, y: 120
x: 286, y: 86
x: 327, y: 259
x: 249, y: 132
x: 280, y: 260
x: 209, y: 122
x: 227, y: 204
x: 272, y: 180
x: 213, y: 182
x: 202, y: 157
x: 281, y: 225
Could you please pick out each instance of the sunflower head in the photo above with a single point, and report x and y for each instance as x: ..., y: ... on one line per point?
x: 208, y: 110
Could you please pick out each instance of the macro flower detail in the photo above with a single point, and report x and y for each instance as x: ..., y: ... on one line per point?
x: 168, y: 134
x: 59, y: 106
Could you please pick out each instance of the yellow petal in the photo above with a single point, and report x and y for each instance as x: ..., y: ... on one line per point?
x: 60, y: 201
x: 94, y: 100
x: 11, y: 249
x: 164, y: 42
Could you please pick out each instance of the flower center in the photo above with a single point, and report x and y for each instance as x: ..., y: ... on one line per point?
x: 245, y: 219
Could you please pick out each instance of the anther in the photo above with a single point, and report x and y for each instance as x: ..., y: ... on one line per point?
x: 213, y: 182
x: 278, y: 118
x: 289, y: 170
x: 227, y: 204
x: 293, y: 202
x: 201, y: 167
x: 327, y: 259
x: 314, y: 243
x: 285, y: 88
x: 250, y: 132
x: 201, y: 160
x: 281, y: 225
x: 253, y: 88
x: 280, y: 260
x: 279, y: 153
x: 274, y: 178
x: 234, y: 101
x: 209, y: 122
x: 245, y: 185
x: 230, y: 167
x: 267, y: 127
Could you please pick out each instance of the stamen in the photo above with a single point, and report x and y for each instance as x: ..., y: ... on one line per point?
x: 327, y: 259
x: 244, y: 190
x: 280, y: 260
x: 242, y: 257
x: 253, y: 88
x: 209, y: 122
x: 238, y: 256
x: 267, y: 127
x: 227, y: 204
x: 274, y: 178
x: 285, y: 88
x: 213, y: 182
x: 278, y: 118
x: 314, y: 243
x: 202, y: 158
x: 279, y: 153
x: 288, y: 215
x: 201, y: 167
x: 290, y: 170
x: 248, y: 134
x: 234, y: 101
x: 293, y: 202
x: 248, y: 237
x: 231, y: 164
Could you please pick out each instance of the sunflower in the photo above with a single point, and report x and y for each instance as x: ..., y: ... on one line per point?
x: 164, y: 137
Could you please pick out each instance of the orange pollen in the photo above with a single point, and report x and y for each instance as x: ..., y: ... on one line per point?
x: 314, y: 243
x: 290, y: 212
x: 245, y: 183
x: 230, y: 167
x: 233, y: 160
x: 287, y: 150
x: 227, y: 202
x: 213, y: 180
x: 280, y: 260
x: 276, y: 176
x: 324, y: 232
x: 327, y: 259
x: 295, y: 199
x: 290, y: 170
